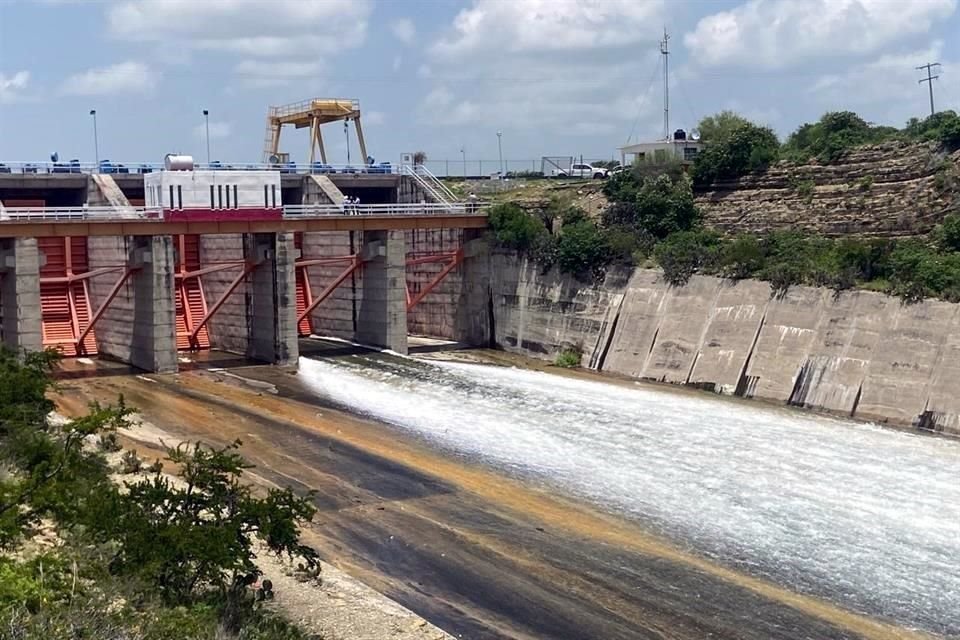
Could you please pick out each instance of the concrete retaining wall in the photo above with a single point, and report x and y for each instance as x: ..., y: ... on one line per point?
x: 857, y: 353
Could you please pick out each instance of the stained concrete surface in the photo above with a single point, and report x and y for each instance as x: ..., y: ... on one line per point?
x: 478, y: 554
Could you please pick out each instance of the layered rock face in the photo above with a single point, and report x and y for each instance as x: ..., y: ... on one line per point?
x: 892, y: 189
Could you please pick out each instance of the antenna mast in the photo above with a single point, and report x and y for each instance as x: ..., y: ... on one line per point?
x: 664, y: 49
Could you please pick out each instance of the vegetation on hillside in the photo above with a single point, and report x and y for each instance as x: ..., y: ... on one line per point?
x: 653, y: 219
x: 156, y: 559
x: 736, y: 146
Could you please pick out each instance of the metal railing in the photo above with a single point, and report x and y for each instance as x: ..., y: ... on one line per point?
x: 427, y: 209
x: 108, y: 167
x: 31, y: 214
x: 296, y: 211
x: 437, y: 191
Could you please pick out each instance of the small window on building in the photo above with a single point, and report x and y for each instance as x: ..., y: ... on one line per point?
x: 213, y: 202
x: 171, y: 196
x: 220, y: 196
x: 266, y: 197
x: 273, y: 195
x: 179, y: 197
x: 689, y: 153
x: 236, y: 201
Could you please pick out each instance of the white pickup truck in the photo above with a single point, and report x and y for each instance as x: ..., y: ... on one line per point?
x: 581, y: 171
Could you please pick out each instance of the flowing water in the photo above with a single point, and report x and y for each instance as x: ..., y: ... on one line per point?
x: 864, y: 516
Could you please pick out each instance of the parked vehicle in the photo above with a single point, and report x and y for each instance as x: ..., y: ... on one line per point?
x: 577, y: 170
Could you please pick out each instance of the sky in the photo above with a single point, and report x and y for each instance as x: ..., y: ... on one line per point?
x: 555, y: 77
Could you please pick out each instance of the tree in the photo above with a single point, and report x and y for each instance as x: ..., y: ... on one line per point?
x: 743, y: 149
x: 53, y: 475
x: 199, y: 533
x: 835, y: 133
x: 685, y: 253
x: 660, y: 207
x: 514, y: 228
x: 719, y: 127
x: 583, y: 250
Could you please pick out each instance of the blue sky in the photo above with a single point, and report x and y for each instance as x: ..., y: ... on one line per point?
x: 557, y: 77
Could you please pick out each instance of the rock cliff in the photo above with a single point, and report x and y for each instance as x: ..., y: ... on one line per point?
x: 892, y: 189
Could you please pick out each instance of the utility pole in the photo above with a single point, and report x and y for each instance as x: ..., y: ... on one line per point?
x: 929, y: 80
x: 665, y: 50
x: 96, y: 141
x: 346, y: 135
x: 463, y: 152
x: 500, y: 149
x: 206, y: 119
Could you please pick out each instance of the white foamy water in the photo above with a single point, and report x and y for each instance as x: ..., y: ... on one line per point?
x: 864, y: 516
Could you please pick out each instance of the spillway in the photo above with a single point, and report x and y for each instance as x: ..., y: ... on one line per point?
x: 864, y: 516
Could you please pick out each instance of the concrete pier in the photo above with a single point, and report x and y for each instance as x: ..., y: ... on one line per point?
x: 382, y: 312
x: 138, y: 326
x: 272, y: 298
x: 20, y: 321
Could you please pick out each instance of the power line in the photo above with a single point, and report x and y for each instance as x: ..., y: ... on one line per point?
x: 646, y: 91
x: 929, y: 80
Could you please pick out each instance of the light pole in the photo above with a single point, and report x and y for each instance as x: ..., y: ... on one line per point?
x: 96, y: 142
x: 206, y: 121
x: 346, y: 134
x: 463, y: 152
x: 500, y: 149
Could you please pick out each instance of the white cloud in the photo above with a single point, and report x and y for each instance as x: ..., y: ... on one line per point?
x: 272, y: 73
x: 255, y: 28
x: 123, y: 77
x: 397, y: 61
x: 404, y: 30
x: 559, y: 67
x: 11, y: 87
x: 218, y: 130
x: 886, y: 89
x: 549, y: 25
x: 779, y: 33
x: 564, y: 67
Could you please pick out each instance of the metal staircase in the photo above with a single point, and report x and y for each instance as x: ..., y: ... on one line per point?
x: 191, y: 307
x: 437, y: 191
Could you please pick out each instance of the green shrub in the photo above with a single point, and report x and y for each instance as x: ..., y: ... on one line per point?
x: 746, y: 148
x: 947, y: 233
x: 685, y: 253
x: 942, y: 127
x: 130, y: 463
x: 742, y: 257
x: 569, y: 358
x: 583, y: 250
x: 865, y: 183
x: 660, y: 207
x: 804, y: 189
x: 514, y: 228
x: 199, y: 533
x: 834, y: 134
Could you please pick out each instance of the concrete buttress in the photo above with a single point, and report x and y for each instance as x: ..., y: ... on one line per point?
x: 382, y: 312
x: 20, y: 322
x: 272, y: 311
x: 153, y: 344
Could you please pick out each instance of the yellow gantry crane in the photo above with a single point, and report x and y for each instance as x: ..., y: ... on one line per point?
x: 313, y: 114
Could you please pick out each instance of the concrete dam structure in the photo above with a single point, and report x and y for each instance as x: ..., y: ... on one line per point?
x: 857, y: 353
x: 140, y: 268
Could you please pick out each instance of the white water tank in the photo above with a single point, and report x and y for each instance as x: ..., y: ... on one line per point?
x: 175, y: 162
